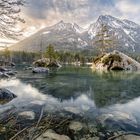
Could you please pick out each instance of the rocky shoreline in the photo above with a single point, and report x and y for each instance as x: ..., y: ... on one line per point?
x: 52, y: 126
x: 37, y: 122
x: 6, y: 73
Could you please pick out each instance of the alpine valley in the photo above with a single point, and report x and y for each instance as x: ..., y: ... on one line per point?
x: 70, y: 36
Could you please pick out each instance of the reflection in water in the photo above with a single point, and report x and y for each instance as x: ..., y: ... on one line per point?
x: 105, y: 88
x: 110, y: 97
x: 26, y: 94
x: 22, y: 90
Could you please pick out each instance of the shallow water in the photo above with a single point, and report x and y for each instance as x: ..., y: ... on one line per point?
x: 113, y: 98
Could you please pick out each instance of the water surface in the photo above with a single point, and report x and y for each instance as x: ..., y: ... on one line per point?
x: 113, y: 98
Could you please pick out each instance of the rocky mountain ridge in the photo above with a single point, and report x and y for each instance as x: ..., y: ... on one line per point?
x: 70, y: 36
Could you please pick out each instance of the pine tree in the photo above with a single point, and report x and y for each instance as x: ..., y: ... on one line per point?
x: 102, y: 39
x: 50, y: 52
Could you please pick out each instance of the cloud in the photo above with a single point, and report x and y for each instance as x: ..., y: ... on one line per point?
x: 127, y: 6
x: 41, y: 13
x: 52, y: 11
x: 129, y: 9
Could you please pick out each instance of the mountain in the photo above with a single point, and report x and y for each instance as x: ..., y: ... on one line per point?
x: 62, y: 35
x: 125, y: 32
x: 70, y: 36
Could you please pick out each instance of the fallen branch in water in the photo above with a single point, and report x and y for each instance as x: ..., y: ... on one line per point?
x: 124, y: 134
x: 40, y: 117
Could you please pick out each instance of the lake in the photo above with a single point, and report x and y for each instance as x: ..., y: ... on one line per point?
x: 109, y: 98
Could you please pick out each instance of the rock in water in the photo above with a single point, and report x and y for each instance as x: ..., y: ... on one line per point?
x: 52, y: 135
x: 40, y: 70
x: 115, y: 61
x: 54, y: 64
x: 29, y: 115
x: 128, y: 137
x: 41, y: 62
x: 6, y: 96
x: 76, y: 126
x: 46, y: 62
x: 6, y: 73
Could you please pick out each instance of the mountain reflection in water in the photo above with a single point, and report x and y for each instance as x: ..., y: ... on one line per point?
x: 112, y: 98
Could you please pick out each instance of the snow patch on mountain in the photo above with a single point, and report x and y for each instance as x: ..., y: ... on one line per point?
x: 47, y: 32
x: 126, y: 31
x: 78, y: 29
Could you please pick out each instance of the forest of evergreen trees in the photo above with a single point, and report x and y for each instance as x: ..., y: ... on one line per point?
x: 20, y: 57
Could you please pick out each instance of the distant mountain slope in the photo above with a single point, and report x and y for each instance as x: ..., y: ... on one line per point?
x: 62, y: 35
x: 68, y: 36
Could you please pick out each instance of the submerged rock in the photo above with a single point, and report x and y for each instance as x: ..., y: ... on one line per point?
x: 40, y: 70
x: 72, y: 110
x: 6, y: 96
x: 52, y: 135
x: 128, y: 137
x: 91, y: 138
x: 30, y: 115
x: 115, y: 61
x: 76, y: 126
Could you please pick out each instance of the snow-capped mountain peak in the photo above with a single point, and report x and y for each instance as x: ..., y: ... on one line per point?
x: 77, y: 28
x: 67, y: 35
x: 125, y: 32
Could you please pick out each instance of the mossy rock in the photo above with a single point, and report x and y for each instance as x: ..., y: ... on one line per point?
x: 112, y: 57
x: 98, y: 58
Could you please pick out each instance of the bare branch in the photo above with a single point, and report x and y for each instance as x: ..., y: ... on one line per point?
x: 9, y: 17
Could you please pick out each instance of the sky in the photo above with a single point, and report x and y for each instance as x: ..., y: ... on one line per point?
x: 42, y: 13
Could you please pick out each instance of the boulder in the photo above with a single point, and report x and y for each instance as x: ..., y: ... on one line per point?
x: 46, y: 62
x: 115, y: 61
x: 40, y: 70
x: 54, y: 64
x: 41, y: 62
x: 2, y: 69
x: 7, y: 63
x: 6, y: 96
